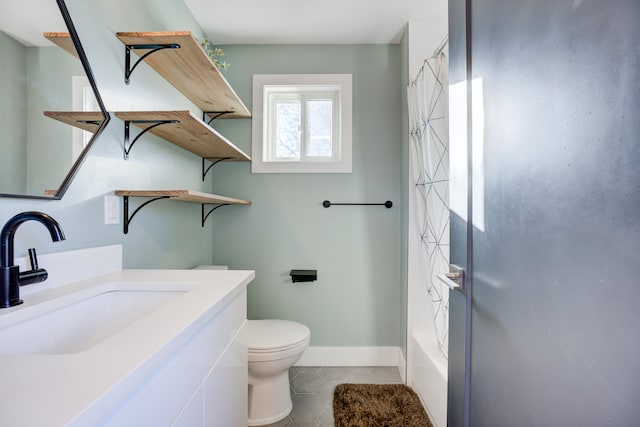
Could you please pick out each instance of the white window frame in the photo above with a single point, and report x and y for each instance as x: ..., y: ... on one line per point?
x: 82, y: 99
x: 303, y: 84
x: 301, y: 94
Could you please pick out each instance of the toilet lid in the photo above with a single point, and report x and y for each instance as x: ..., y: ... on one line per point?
x: 273, y: 334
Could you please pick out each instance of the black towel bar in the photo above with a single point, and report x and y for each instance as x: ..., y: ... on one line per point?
x: 387, y: 204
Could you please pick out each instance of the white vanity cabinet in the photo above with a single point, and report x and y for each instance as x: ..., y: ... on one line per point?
x: 203, y: 384
x: 122, y: 362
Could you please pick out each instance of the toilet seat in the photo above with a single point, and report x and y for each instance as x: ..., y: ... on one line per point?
x: 273, y: 339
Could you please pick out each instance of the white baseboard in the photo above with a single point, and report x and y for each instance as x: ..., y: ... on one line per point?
x: 353, y: 356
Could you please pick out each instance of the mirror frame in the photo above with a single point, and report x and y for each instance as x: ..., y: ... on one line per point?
x: 62, y: 189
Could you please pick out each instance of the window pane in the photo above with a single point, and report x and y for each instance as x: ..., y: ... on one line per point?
x: 287, y: 143
x: 319, y: 128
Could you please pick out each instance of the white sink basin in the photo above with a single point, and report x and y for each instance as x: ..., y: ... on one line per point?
x: 80, y: 321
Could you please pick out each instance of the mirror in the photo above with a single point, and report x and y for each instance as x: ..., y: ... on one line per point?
x: 51, y: 111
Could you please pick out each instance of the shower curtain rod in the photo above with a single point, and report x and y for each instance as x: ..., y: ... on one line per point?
x: 443, y: 44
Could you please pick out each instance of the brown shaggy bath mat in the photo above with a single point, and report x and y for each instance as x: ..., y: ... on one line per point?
x: 377, y: 405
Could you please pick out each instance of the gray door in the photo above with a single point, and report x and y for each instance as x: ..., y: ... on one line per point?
x: 553, y: 250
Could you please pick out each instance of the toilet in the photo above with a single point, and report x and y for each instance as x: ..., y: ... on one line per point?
x: 274, y: 346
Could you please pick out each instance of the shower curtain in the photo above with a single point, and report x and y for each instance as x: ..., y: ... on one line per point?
x: 429, y: 165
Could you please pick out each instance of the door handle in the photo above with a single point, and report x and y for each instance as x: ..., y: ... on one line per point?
x: 454, y: 279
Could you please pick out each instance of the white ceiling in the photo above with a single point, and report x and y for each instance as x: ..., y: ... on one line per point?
x: 306, y: 21
x: 24, y: 20
x: 256, y: 21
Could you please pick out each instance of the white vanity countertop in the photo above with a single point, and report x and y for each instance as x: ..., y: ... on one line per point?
x: 61, y: 389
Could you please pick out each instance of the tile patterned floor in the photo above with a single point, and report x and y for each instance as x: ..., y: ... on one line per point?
x: 312, y: 391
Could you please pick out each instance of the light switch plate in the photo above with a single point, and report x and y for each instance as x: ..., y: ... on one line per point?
x: 111, y: 210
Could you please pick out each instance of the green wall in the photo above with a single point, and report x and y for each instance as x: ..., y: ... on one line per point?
x: 356, y: 300
x: 13, y: 108
x: 49, y: 142
x: 36, y: 150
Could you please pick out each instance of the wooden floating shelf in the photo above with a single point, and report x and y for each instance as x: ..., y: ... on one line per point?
x: 85, y: 120
x: 179, y: 195
x: 190, y: 133
x: 184, y: 196
x: 189, y: 70
x: 62, y: 40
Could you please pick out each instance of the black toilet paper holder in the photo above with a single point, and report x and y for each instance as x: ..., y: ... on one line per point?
x: 303, y: 275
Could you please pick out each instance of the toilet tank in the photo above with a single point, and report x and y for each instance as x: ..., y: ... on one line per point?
x: 211, y: 267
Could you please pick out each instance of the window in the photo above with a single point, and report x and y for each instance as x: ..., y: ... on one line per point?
x: 83, y: 99
x: 301, y: 123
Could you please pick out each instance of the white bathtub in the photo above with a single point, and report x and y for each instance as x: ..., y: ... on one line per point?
x: 429, y: 377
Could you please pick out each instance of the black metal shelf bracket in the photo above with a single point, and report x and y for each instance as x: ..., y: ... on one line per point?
x: 128, y: 69
x: 205, y: 216
x: 215, y: 161
x: 127, y: 218
x: 388, y: 204
x: 127, y: 125
x: 215, y: 115
x: 90, y: 122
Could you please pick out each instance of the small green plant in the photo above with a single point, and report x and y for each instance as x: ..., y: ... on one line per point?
x: 215, y: 53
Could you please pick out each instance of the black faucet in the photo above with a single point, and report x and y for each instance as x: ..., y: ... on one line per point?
x: 10, y: 277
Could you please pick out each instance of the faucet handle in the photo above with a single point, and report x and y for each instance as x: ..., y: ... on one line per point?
x: 33, y: 258
x: 34, y: 275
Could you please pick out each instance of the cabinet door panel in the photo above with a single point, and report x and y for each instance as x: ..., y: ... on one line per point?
x: 225, y: 390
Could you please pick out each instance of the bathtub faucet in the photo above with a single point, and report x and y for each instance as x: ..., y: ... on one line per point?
x: 10, y: 277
